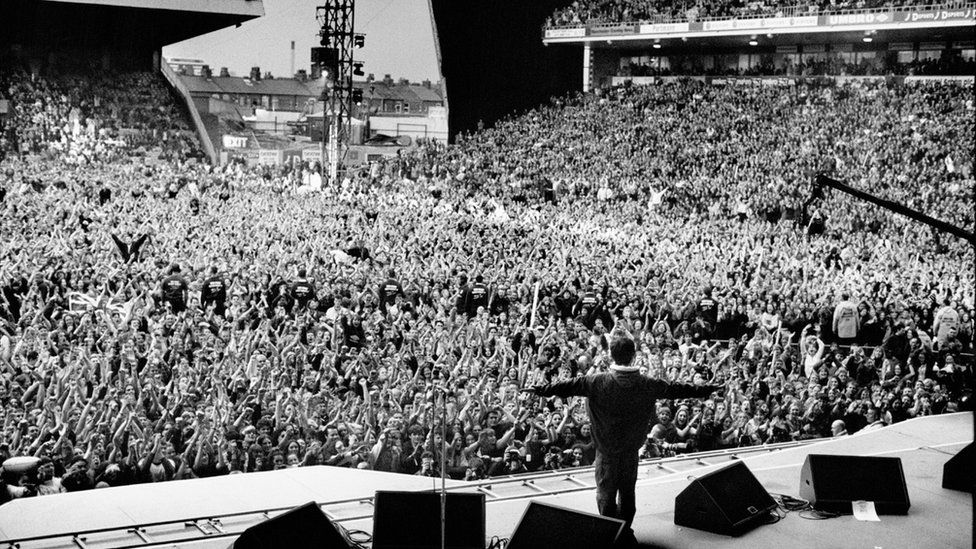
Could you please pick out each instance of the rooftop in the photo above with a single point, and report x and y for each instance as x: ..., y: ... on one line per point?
x: 377, y: 89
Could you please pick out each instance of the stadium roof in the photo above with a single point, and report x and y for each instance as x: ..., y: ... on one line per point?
x: 238, y: 85
x: 412, y: 92
x: 246, y: 8
x: 89, y: 28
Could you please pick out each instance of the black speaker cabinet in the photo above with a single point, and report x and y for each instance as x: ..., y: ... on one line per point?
x: 304, y: 527
x: 957, y: 473
x: 729, y: 501
x: 412, y: 520
x: 545, y: 525
x: 831, y: 483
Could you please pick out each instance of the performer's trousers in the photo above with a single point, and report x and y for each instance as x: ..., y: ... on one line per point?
x: 616, y: 476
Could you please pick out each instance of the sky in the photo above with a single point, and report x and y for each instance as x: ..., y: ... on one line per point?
x: 399, y: 40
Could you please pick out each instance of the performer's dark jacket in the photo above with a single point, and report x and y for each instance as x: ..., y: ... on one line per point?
x: 620, y: 405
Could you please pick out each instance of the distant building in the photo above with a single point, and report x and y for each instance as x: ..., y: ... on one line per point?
x: 390, y: 97
x: 385, y: 97
x: 250, y: 92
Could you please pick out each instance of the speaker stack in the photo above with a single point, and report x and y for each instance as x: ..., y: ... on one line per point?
x: 830, y: 483
x: 304, y: 527
x: 544, y: 525
x: 412, y: 520
x: 729, y: 501
x: 957, y: 473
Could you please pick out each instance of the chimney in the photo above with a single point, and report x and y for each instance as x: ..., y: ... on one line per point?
x: 268, y: 76
x: 206, y: 72
x: 388, y: 80
x: 403, y: 82
x: 256, y: 74
x: 427, y: 84
x: 301, y: 75
x: 224, y: 73
x: 370, y: 77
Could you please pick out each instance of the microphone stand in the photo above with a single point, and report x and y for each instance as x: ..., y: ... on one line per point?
x: 443, y: 470
x: 443, y: 391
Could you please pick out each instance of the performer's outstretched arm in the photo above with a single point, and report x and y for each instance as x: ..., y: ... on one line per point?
x: 579, y: 386
x: 681, y: 390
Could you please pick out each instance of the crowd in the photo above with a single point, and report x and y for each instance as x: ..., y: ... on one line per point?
x: 949, y: 64
x: 586, y: 12
x: 167, y: 320
x: 93, y: 118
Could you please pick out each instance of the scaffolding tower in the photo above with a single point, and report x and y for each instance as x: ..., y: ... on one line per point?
x: 336, y: 30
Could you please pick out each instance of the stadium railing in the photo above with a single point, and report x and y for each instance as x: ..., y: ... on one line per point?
x: 798, y: 11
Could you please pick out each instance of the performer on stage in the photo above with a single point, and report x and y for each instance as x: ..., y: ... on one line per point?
x: 620, y: 403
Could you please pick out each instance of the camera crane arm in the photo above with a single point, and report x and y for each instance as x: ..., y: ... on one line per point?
x: 824, y: 181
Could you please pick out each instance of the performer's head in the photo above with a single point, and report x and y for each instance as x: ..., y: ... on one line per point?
x: 622, y: 347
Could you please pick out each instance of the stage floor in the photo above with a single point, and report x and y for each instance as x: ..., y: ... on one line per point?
x: 129, y: 506
x: 937, y: 518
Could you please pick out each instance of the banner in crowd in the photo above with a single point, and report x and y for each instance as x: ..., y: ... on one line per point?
x: 961, y: 14
x: 921, y: 79
x: 856, y: 80
x: 292, y: 157
x: 866, y: 18
x: 610, y: 30
x: 249, y: 156
x: 269, y: 157
x: 647, y: 80
x: 636, y: 80
x: 769, y: 81
x: 761, y: 23
x: 312, y: 155
x: 772, y: 82
x: 664, y: 28
x: 578, y: 32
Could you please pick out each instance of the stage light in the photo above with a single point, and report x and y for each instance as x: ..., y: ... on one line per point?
x: 357, y: 69
x: 867, y: 39
x: 753, y: 43
x: 657, y: 44
x: 357, y: 96
x: 359, y: 40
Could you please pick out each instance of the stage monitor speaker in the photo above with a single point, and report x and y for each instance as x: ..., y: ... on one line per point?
x: 957, y: 473
x: 830, y: 483
x: 304, y: 527
x: 729, y: 501
x: 412, y: 520
x: 545, y: 525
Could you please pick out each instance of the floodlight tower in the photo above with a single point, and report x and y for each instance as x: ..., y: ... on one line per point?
x: 336, y: 30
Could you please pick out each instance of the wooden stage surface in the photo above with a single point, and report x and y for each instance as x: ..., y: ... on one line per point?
x: 937, y: 518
